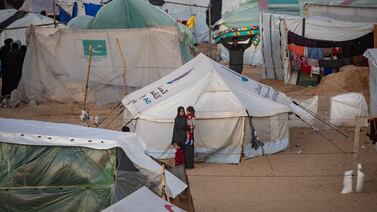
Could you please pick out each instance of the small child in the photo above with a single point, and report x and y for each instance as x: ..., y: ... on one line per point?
x: 190, y: 117
x: 179, y: 155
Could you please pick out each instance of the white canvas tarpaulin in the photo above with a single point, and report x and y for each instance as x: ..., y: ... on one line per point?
x: 345, y: 107
x: 53, y: 134
x: 18, y: 28
x: 183, y: 12
x: 275, y: 28
x: 56, y: 63
x: 371, y: 54
x: 344, y: 13
x: 220, y: 98
x: 143, y: 200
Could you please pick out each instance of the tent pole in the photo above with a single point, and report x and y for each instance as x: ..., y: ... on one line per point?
x: 375, y: 35
x: 209, y: 28
x: 124, y: 65
x: 87, y: 78
x: 53, y: 8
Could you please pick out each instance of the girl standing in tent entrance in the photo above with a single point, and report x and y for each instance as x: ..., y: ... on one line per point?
x: 189, y: 155
x: 180, y: 130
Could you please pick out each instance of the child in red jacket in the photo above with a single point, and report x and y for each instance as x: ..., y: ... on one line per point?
x: 179, y: 155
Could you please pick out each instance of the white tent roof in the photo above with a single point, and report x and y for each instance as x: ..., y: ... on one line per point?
x: 55, y: 134
x: 142, y: 200
x: 214, y: 90
x: 323, y: 28
x: 345, y: 13
x: 17, y: 29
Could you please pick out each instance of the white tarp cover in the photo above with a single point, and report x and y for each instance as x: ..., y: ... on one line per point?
x: 183, y: 12
x: 371, y: 54
x: 56, y: 63
x: 143, y: 200
x: 220, y: 98
x: 345, y: 107
x: 274, y: 34
x: 17, y: 29
x: 344, y: 13
x: 40, y: 133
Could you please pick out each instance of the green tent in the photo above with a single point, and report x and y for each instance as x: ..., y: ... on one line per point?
x: 120, y: 14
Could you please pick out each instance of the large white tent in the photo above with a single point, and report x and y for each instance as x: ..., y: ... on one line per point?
x: 18, y: 28
x: 221, y: 99
x: 275, y: 28
x: 56, y: 63
x: 38, y: 133
x: 371, y: 54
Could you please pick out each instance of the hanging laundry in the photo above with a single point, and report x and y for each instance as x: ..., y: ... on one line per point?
x: 330, y: 63
x: 327, y: 71
x: 305, y: 67
x: 298, y: 50
x: 327, y: 52
x: 337, y: 51
x: 314, y: 53
x: 313, y: 62
x: 372, y: 130
x: 357, y: 46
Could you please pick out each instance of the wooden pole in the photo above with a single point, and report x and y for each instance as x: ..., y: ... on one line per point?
x: 87, y: 77
x: 163, y: 192
x: 356, y: 149
x: 124, y: 65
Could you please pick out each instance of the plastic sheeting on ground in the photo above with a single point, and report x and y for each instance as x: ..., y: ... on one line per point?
x: 45, y: 165
x: 56, y: 63
x: 220, y: 97
x: 345, y: 107
x: 371, y: 54
x: 142, y: 200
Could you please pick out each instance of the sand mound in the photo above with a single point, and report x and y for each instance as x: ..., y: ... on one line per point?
x: 350, y: 79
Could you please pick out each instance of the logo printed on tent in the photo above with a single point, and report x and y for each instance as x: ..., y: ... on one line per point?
x: 99, y: 48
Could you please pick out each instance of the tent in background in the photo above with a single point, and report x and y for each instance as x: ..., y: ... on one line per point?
x: 345, y: 107
x: 73, y: 167
x: 371, y: 54
x: 17, y: 29
x: 279, y: 30
x: 221, y: 99
x: 130, y: 14
x: 183, y: 12
x: 56, y: 63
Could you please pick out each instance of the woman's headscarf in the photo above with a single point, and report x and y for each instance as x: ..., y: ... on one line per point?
x: 179, y: 109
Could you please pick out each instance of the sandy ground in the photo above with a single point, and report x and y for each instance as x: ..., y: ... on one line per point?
x: 287, y: 181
